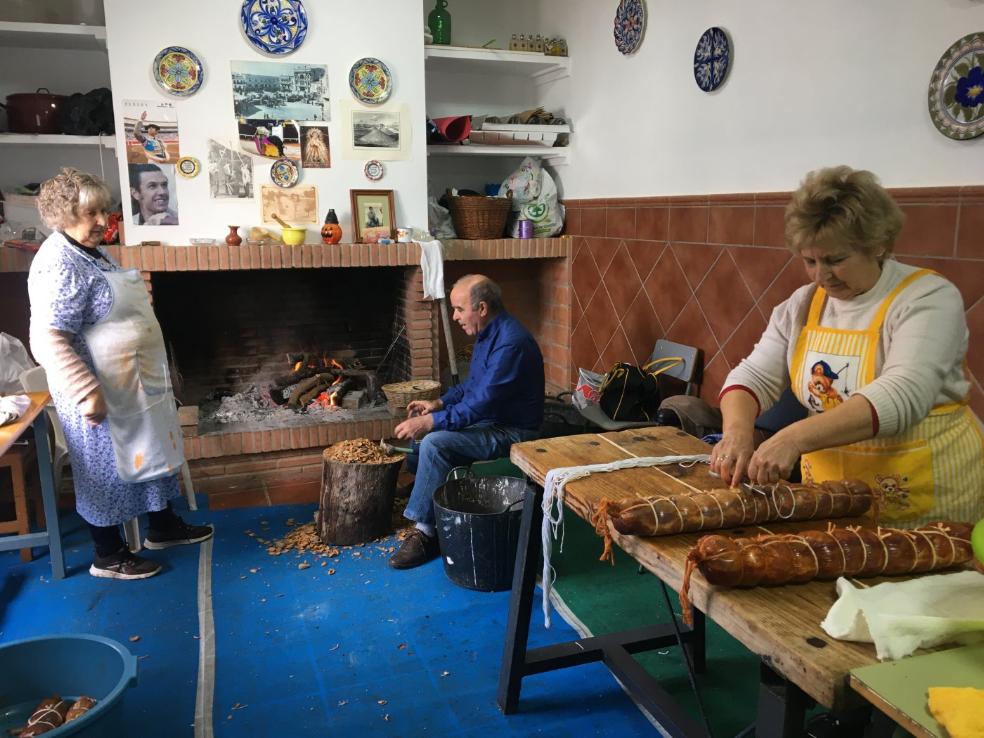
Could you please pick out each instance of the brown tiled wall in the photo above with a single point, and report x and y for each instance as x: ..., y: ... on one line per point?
x: 708, y: 270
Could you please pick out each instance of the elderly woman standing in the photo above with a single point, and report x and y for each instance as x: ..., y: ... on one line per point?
x: 875, y: 351
x: 94, y: 332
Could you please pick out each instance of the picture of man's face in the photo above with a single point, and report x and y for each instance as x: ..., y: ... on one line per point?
x: 152, y: 131
x: 151, y: 195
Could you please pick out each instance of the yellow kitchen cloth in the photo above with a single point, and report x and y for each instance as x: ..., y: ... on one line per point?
x: 958, y: 709
x: 900, y: 617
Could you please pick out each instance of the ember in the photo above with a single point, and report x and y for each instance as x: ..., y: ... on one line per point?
x: 323, y: 381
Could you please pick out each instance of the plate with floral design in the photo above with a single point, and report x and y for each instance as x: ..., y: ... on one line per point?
x: 284, y: 172
x: 275, y: 27
x: 956, y: 89
x: 630, y: 25
x: 178, y: 71
x: 370, y: 81
x: 712, y: 58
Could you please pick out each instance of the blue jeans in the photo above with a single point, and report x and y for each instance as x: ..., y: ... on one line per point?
x: 441, y: 451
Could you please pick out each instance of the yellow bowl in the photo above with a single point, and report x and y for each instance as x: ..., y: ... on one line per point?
x: 294, y: 236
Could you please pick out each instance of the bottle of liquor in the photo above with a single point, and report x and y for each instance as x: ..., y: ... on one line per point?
x: 538, y: 45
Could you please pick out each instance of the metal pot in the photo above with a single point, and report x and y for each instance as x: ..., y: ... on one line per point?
x: 34, y: 112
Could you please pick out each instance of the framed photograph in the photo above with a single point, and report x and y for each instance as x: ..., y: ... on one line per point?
x: 372, y: 215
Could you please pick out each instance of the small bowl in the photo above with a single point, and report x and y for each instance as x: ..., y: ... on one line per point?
x: 293, y: 236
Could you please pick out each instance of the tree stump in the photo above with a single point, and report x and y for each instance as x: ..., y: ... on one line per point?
x: 356, y: 500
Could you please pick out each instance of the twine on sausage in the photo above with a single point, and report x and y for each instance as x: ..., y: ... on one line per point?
x: 553, y: 504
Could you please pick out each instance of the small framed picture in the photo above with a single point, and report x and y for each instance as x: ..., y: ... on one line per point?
x: 372, y: 214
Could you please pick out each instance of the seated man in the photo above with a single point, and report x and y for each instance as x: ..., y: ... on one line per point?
x: 501, y: 403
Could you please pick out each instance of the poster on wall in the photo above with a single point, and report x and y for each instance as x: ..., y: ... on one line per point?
x: 153, y: 199
x: 230, y: 172
x: 376, y: 134
x: 151, y: 132
x: 297, y: 206
x: 265, y: 90
x: 273, y: 139
x: 315, y: 148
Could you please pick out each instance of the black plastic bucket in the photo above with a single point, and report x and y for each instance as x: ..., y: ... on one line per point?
x: 478, y: 529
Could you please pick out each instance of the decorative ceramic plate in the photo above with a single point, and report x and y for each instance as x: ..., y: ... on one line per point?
x: 956, y: 89
x: 178, y: 71
x: 630, y: 24
x: 274, y: 26
x: 374, y: 170
x: 711, y: 59
x: 189, y: 167
x: 370, y: 81
x: 283, y: 172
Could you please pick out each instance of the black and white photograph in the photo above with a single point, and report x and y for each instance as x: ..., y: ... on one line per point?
x: 272, y: 90
x: 230, y: 172
x: 315, y: 148
x: 273, y: 139
x: 153, y: 199
x: 375, y: 130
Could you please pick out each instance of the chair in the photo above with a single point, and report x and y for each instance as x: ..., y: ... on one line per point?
x: 19, y: 459
x: 35, y: 380
x: 687, y: 372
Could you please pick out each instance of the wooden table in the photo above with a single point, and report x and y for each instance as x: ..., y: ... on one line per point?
x: 898, y: 688
x: 9, y: 434
x: 800, y: 662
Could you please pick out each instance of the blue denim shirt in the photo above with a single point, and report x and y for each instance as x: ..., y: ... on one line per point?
x: 505, y: 382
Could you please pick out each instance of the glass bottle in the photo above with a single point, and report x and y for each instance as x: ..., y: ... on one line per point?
x: 538, y: 46
x: 512, y: 43
x: 439, y: 22
x: 522, y: 42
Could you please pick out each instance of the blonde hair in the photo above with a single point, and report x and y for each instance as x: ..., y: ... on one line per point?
x: 843, y: 205
x: 64, y: 195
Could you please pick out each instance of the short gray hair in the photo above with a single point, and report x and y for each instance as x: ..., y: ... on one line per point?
x: 64, y: 195
x: 483, y: 290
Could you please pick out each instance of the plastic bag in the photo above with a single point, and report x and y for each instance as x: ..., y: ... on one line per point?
x: 439, y: 220
x: 588, y: 389
x: 534, y: 197
x: 14, y: 359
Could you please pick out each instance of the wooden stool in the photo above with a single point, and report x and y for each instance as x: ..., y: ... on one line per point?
x: 19, y: 459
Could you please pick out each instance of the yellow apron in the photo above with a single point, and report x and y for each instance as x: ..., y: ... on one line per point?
x: 932, y: 471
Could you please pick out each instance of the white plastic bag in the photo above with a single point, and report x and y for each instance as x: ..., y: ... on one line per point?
x: 439, y: 220
x: 14, y: 359
x: 588, y: 389
x: 534, y: 197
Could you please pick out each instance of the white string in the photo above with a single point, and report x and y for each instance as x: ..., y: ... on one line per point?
x: 553, y: 505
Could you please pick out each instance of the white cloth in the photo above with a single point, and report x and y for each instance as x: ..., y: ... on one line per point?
x: 432, y: 266
x: 13, y: 407
x: 899, y: 617
x: 553, y: 505
x: 919, y: 363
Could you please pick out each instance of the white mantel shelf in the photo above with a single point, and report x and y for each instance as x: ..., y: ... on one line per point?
x: 468, y: 59
x: 52, y: 36
x: 58, y: 139
x: 551, y: 154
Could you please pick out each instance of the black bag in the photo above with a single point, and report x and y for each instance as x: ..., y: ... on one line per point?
x: 631, y: 393
x: 88, y: 115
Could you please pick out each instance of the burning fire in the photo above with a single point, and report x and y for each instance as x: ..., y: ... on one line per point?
x: 324, y: 362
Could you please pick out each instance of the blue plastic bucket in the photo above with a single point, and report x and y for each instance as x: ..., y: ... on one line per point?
x: 69, y: 666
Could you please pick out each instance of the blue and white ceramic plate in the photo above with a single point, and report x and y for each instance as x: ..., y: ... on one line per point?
x: 712, y: 59
x: 956, y: 89
x: 178, y: 71
x: 630, y: 25
x: 274, y: 26
x: 284, y: 173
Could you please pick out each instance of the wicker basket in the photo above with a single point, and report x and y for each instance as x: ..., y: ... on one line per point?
x: 476, y: 217
x: 401, y: 394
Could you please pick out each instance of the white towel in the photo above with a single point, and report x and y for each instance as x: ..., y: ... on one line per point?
x: 13, y: 407
x: 899, y: 617
x: 432, y: 265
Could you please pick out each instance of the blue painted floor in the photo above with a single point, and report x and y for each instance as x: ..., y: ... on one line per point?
x: 300, y: 652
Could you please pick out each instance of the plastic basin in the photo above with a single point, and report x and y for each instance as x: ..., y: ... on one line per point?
x: 69, y: 665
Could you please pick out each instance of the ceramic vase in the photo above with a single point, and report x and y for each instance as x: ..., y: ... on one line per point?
x: 439, y: 22
x: 234, y: 239
x: 331, y: 231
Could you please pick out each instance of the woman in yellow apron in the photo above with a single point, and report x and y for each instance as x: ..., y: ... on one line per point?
x: 875, y: 351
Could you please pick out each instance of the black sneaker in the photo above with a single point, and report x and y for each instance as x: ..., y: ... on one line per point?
x: 417, y: 549
x: 179, y: 533
x: 123, y: 565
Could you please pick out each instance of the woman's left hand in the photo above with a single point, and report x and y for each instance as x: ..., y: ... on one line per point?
x: 773, y: 460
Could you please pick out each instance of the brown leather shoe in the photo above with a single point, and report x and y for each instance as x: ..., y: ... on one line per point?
x: 417, y: 549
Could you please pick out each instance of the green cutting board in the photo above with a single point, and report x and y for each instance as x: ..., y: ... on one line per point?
x: 899, y: 687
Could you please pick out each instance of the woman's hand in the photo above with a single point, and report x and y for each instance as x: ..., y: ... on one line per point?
x: 423, y: 407
x: 730, y: 456
x: 774, y: 459
x: 93, y: 407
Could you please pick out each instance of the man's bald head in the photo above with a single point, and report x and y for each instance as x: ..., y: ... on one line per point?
x: 475, y: 300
